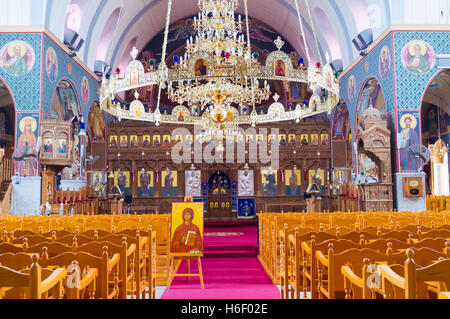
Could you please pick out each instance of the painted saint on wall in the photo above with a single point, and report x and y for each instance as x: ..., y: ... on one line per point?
x: 25, y: 155
x: 341, y: 121
x: 406, y: 140
x: 97, y: 123
x: 169, y: 183
x: 113, y: 141
x: 124, y: 141
x: 134, y: 141
x: 269, y: 183
x: 122, y: 180
x: 98, y: 183
x: 146, y: 141
x: 315, y: 139
x: 418, y: 57
x: 293, y: 183
x: 351, y: 87
x: 145, y: 183
x: 85, y: 90
x: 68, y: 105
x: 51, y: 64
x: 324, y: 139
x: 17, y: 58
x: 384, y: 63
x: 317, y: 177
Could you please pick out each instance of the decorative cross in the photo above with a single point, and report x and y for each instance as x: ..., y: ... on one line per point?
x: 279, y: 43
x: 134, y: 53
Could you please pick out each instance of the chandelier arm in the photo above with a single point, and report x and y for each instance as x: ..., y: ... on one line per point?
x: 303, y: 31
x: 314, y: 32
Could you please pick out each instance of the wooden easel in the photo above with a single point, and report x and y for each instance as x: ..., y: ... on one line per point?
x: 175, y: 262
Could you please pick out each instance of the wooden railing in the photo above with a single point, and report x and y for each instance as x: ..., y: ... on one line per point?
x: 5, y: 206
x: 6, y: 173
x: 6, y: 165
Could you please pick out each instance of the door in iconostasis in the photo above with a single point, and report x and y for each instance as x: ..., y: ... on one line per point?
x: 219, y: 197
x: 435, y: 117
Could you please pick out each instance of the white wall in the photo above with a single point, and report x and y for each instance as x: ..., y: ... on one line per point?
x: 14, y: 12
x: 426, y: 12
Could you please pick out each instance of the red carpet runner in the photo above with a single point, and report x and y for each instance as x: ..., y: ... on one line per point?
x: 231, y: 269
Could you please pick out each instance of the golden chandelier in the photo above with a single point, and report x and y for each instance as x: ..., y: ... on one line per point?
x: 219, y: 74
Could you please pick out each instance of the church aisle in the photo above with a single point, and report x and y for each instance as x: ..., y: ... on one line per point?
x: 231, y: 269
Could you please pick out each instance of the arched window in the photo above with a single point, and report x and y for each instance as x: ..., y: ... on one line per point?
x: 126, y: 57
x: 75, y: 14
x: 107, y: 35
x: 327, y: 30
x: 360, y: 14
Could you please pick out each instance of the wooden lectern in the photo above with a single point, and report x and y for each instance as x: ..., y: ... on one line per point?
x: 314, y: 202
x: 115, y: 206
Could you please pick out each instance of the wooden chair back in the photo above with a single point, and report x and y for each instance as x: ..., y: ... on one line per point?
x: 413, y: 285
x: 39, y: 282
x: 85, y: 261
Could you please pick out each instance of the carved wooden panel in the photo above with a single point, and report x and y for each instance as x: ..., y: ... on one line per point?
x: 57, y: 143
x: 157, y: 157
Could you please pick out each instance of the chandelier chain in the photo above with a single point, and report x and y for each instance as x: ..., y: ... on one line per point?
x: 249, y: 45
x: 314, y: 32
x: 302, y: 30
x: 166, y: 36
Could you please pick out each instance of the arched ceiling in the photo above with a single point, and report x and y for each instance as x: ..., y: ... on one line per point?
x: 337, y: 22
x: 144, y: 19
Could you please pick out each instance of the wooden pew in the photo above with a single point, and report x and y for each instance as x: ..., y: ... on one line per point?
x: 329, y: 266
x: 39, y: 282
x: 413, y: 285
x: 87, y: 262
x: 364, y: 287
